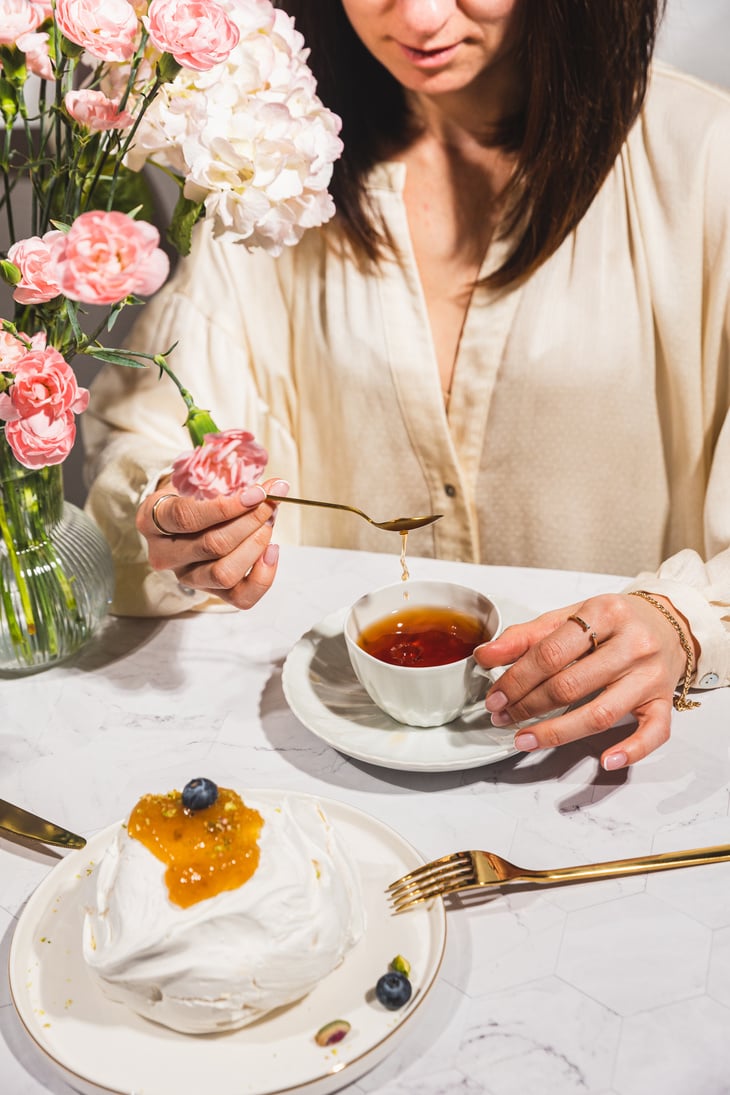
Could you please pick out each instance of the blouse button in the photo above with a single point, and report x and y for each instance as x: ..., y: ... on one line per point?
x: 709, y: 680
x: 450, y: 490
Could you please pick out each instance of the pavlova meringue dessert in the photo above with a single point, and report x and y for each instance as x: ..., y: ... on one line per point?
x: 208, y: 912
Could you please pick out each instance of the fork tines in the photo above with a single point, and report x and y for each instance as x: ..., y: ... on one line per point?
x: 442, y: 876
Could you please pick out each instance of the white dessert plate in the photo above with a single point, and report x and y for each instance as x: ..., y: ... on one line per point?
x: 322, y: 690
x: 101, y: 1046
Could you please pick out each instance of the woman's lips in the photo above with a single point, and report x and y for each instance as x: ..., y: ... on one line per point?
x: 428, y: 58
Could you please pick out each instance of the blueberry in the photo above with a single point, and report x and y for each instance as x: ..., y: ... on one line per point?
x: 393, y: 990
x: 199, y: 794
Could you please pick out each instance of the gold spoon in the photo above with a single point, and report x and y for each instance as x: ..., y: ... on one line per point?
x: 400, y: 524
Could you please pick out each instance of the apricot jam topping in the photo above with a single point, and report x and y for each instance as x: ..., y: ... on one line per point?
x: 206, y: 851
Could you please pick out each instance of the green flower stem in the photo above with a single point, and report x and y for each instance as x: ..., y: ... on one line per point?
x: 199, y: 421
x: 19, y: 635
x: 37, y: 600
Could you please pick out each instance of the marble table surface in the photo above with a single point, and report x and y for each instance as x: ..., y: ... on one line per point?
x: 619, y: 987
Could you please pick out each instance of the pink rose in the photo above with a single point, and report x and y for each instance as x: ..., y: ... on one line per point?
x: 37, y: 58
x: 105, y: 257
x: 95, y: 112
x: 17, y: 17
x: 225, y: 463
x: 198, y: 33
x: 41, y: 439
x: 107, y: 29
x: 43, y: 382
x: 32, y: 257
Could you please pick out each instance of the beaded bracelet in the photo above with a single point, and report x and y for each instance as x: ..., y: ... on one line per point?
x: 680, y: 702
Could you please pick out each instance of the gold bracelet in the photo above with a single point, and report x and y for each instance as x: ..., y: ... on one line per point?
x: 680, y: 702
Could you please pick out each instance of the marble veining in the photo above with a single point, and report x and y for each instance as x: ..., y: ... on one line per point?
x: 620, y: 987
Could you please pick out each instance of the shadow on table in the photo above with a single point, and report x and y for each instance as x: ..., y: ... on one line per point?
x: 119, y: 637
x: 319, y: 760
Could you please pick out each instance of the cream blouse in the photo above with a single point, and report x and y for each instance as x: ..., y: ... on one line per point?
x: 588, y: 423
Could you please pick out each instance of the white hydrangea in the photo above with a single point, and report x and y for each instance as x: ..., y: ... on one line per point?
x: 250, y: 137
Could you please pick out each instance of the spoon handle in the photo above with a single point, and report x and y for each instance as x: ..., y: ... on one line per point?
x: 313, y: 502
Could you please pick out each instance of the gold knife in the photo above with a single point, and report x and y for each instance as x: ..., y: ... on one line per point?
x: 22, y: 823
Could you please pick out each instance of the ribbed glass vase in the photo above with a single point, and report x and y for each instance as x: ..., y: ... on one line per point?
x: 56, y: 577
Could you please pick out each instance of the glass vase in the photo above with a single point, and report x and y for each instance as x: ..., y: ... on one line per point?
x: 56, y: 576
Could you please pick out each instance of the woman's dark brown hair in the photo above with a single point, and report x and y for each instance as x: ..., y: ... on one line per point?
x: 585, y: 65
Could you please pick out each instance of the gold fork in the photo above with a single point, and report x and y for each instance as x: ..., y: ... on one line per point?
x: 399, y: 524
x: 476, y: 870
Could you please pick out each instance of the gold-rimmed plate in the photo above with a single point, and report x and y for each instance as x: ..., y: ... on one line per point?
x: 100, y: 1046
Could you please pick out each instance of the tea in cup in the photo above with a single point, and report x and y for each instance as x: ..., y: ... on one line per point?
x: 411, y: 647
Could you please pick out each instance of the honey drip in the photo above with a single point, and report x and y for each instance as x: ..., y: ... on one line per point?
x: 403, y: 566
x: 206, y: 851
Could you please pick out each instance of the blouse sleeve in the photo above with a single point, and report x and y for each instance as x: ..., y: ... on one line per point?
x: 700, y: 589
x: 223, y: 303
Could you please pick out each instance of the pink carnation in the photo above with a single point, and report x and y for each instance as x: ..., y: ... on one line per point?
x: 225, y: 463
x: 37, y: 57
x: 17, y: 17
x: 40, y: 407
x: 94, y: 111
x: 41, y: 439
x: 14, y: 347
x: 32, y: 257
x: 107, y: 29
x: 198, y: 33
x: 105, y: 257
x: 44, y: 381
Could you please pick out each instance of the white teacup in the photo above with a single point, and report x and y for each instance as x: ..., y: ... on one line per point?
x: 421, y: 695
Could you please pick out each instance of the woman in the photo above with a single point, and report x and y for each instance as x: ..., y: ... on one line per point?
x: 519, y: 319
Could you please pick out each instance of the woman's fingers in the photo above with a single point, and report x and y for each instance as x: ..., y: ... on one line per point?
x: 224, y: 572
x: 609, y: 651
x: 250, y: 586
x: 166, y: 515
x: 220, y: 546
x: 653, y: 727
x: 517, y: 639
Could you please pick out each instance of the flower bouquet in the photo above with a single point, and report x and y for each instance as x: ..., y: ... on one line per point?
x: 219, y: 97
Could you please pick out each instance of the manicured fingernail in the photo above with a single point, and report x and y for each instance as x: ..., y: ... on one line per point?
x: 614, y: 761
x: 253, y: 495
x: 271, y: 555
x: 495, y: 701
x: 525, y: 742
x: 501, y: 718
x: 280, y: 487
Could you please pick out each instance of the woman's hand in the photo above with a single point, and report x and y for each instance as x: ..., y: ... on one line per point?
x: 220, y: 546
x: 633, y: 669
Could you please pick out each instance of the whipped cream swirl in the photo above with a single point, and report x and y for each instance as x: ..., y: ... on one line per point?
x: 229, y: 959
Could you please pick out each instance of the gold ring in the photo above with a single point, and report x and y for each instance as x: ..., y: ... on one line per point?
x: 155, y: 519
x: 587, y: 628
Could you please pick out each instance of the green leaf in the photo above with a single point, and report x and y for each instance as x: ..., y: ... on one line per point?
x: 131, y: 194
x: 114, y: 357
x: 184, y: 217
x: 71, y: 310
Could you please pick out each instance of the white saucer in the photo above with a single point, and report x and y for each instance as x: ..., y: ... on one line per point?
x: 101, y: 1046
x: 323, y: 692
